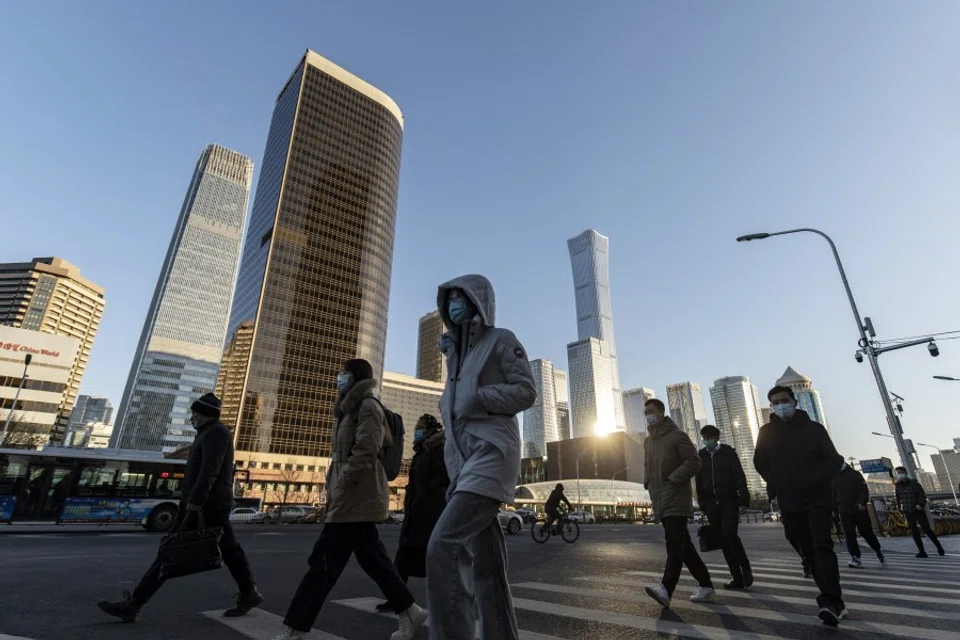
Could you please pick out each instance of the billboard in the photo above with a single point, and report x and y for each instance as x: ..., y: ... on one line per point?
x: 107, y: 509
x: 46, y: 349
x: 7, y: 505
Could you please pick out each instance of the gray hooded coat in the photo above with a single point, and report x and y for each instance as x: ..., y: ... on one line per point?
x: 489, y: 382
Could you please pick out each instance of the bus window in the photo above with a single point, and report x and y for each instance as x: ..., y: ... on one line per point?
x: 133, y: 485
x: 12, y: 476
x: 96, y: 480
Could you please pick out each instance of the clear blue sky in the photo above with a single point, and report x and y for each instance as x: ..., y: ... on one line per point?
x: 670, y: 127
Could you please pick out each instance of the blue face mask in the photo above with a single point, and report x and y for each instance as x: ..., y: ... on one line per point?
x: 418, y: 435
x: 710, y: 444
x: 457, y: 310
x: 343, y: 382
x: 784, y: 411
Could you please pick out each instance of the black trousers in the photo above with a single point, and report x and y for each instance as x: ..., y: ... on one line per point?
x: 230, y: 549
x: 337, y: 542
x: 810, y: 532
x: 680, y: 551
x: 726, y: 517
x: 854, y: 522
x: 917, y: 521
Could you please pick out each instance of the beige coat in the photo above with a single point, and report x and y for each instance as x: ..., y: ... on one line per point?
x: 357, y: 488
x: 672, y: 461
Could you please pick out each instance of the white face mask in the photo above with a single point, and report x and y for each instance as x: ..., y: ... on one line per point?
x: 651, y: 419
x: 785, y: 410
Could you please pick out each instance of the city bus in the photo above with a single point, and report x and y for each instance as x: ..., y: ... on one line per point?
x: 76, y: 485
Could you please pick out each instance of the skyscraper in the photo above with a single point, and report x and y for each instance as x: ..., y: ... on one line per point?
x: 431, y: 364
x: 562, y: 391
x: 737, y: 409
x: 411, y: 398
x: 314, y: 283
x: 180, y: 346
x: 591, y: 403
x: 49, y: 295
x: 590, y: 259
x: 687, y: 409
x: 807, y: 397
x: 633, y: 404
x: 91, y: 409
x: 540, y: 421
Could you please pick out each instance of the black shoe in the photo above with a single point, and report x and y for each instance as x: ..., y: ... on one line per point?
x: 807, y: 573
x: 384, y: 607
x: 940, y: 551
x: 747, y: 577
x: 245, y: 602
x: 922, y: 554
x: 126, y: 609
x: 829, y: 617
x: 733, y: 585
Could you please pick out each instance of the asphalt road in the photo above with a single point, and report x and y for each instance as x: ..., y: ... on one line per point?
x: 592, y: 589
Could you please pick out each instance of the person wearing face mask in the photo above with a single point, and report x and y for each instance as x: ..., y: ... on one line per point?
x: 797, y: 459
x: 207, y: 489
x: 721, y: 492
x: 426, y: 496
x: 358, y: 498
x: 489, y: 383
x: 911, y: 500
x: 671, y: 462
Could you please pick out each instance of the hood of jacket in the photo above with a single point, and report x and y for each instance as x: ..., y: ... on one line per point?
x: 662, y: 428
x: 478, y: 290
x: 432, y: 442
x: 350, y: 401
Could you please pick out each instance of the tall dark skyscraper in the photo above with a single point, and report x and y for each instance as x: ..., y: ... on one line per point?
x: 314, y: 281
x: 431, y: 364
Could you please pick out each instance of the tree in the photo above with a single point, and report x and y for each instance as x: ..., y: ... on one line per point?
x: 21, y: 435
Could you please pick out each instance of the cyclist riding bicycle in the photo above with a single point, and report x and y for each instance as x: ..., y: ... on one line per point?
x: 552, y: 506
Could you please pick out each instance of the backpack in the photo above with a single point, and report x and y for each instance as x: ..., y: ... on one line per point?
x: 392, y: 456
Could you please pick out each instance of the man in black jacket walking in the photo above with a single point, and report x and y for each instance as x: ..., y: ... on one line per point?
x: 207, y: 489
x: 852, y: 496
x: 911, y: 498
x: 721, y: 492
x: 797, y: 459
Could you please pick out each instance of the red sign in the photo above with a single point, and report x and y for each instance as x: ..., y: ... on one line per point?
x: 22, y: 348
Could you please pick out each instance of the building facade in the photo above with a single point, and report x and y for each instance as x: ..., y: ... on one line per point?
x: 540, y: 422
x: 561, y: 388
x: 179, y: 351
x: 737, y: 410
x: 617, y: 456
x: 688, y: 410
x: 590, y: 259
x: 314, y: 281
x: 92, y: 435
x: 808, y: 398
x: 592, y: 409
x: 91, y: 409
x: 411, y: 398
x: 431, y: 364
x: 37, y: 409
x: 49, y: 295
x: 947, y: 466
x: 633, y: 403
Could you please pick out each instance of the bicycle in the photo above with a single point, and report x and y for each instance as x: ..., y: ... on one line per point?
x: 567, y: 529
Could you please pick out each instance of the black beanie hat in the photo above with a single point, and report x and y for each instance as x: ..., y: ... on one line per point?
x: 207, y: 405
x: 359, y: 369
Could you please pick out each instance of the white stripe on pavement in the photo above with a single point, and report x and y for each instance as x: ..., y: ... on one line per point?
x: 869, y: 572
x: 4, y: 636
x: 844, y: 580
x: 872, y: 595
x: 744, y: 612
x: 260, y: 624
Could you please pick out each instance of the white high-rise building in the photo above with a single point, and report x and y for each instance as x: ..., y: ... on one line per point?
x: 737, y: 409
x: 633, y: 403
x: 590, y: 259
x: 688, y: 409
x: 540, y: 421
x: 591, y: 403
x: 807, y: 397
x: 562, y: 391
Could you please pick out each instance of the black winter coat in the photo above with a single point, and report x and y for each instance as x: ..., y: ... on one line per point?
x: 721, y: 478
x: 426, y: 493
x: 798, y: 461
x: 910, y: 495
x: 208, y: 477
x: 850, y: 490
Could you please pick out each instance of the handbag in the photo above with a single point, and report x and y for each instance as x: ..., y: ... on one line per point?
x: 709, y: 538
x: 187, y: 552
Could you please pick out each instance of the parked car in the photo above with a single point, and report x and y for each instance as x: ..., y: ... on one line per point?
x: 511, y: 521
x: 243, y: 514
x: 582, y: 517
x: 288, y: 514
x: 395, y: 517
x: 529, y: 516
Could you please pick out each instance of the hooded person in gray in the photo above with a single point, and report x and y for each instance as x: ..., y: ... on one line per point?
x: 489, y: 383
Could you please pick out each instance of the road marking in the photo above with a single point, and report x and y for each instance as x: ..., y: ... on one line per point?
x: 868, y: 572
x: 260, y: 624
x: 4, y: 636
x: 744, y: 612
x: 845, y: 581
x: 872, y: 595
x: 368, y: 605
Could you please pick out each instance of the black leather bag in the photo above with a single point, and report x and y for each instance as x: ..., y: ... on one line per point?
x: 709, y: 538
x: 187, y: 552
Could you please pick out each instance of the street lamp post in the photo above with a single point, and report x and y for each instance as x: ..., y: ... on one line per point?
x: 619, y: 472
x: 953, y: 488
x: 865, y: 345
x: 23, y: 380
x: 947, y: 378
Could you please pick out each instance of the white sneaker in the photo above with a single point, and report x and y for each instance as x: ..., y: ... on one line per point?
x: 703, y: 594
x: 855, y: 563
x: 290, y: 634
x: 659, y: 593
x: 410, y: 620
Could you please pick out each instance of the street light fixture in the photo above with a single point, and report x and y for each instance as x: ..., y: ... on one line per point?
x: 619, y: 472
x: 947, y: 378
x: 953, y: 489
x: 13, y: 407
x: 864, y: 326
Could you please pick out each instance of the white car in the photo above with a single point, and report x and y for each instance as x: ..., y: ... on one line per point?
x: 243, y: 514
x: 582, y: 517
x: 510, y: 521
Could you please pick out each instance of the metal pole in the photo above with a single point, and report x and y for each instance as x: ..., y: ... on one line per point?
x: 23, y: 380
x: 579, y: 501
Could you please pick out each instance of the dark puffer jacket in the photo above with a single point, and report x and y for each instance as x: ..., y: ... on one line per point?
x: 721, y: 477
x: 910, y: 495
x: 208, y: 477
x: 850, y: 490
x: 671, y: 461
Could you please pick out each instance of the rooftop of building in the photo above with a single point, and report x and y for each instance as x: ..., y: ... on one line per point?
x: 412, y: 381
x: 54, y: 266
x: 314, y: 59
x: 791, y: 376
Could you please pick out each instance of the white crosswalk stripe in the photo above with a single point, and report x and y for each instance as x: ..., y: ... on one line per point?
x: 868, y: 572
x: 4, y: 636
x: 261, y: 625
x: 847, y: 578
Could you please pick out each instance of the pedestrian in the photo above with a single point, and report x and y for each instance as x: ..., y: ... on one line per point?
x: 797, y: 459
x: 358, y: 498
x: 424, y: 501
x: 721, y: 492
x: 671, y: 462
x: 489, y: 383
x: 207, y: 490
x: 911, y: 500
x: 852, y: 496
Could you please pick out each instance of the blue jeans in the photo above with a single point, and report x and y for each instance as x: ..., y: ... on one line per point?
x: 467, y: 546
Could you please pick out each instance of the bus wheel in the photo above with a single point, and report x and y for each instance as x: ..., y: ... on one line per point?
x: 162, y: 518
